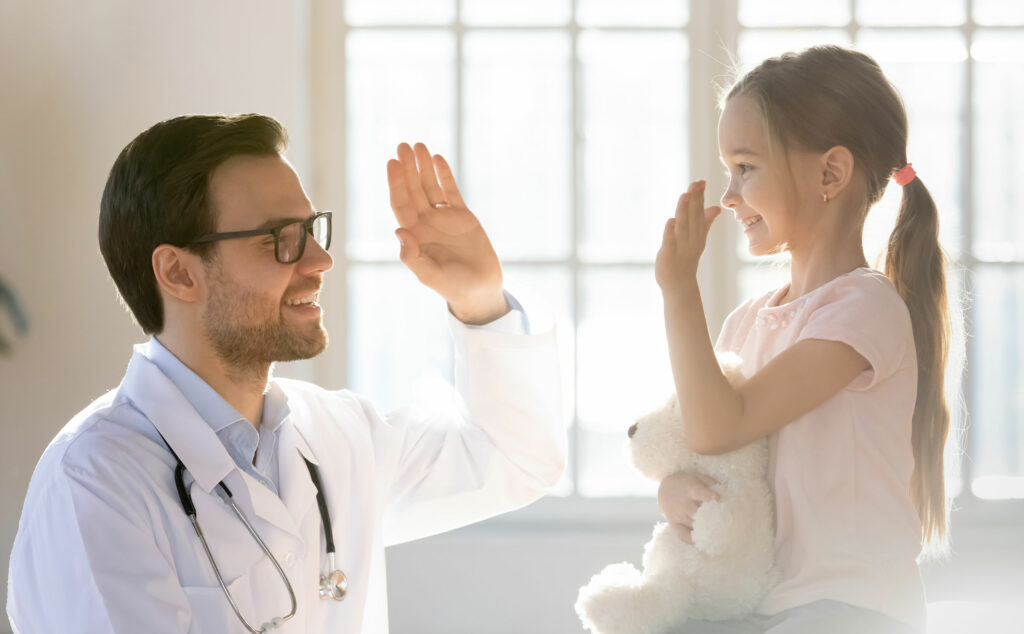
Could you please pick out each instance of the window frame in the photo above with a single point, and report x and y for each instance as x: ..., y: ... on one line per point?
x: 711, y: 26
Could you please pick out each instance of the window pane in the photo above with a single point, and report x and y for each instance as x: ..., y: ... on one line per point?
x: 358, y: 12
x: 634, y: 117
x: 999, y: 12
x: 910, y: 12
x: 393, y: 359
x: 794, y: 12
x: 997, y: 439
x: 928, y: 69
x: 388, y: 75
x: 635, y: 13
x: 520, y: 12
x: 757, y: 46
x: 518, y: 142
x: 623, y: 373
x: 999, y: 121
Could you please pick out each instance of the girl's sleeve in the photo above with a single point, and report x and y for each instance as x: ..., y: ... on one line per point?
x: 867, y: 314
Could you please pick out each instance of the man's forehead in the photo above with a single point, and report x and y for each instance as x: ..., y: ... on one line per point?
x: 249, y: 191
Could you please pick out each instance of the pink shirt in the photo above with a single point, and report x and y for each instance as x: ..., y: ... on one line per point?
x: 846, y: 528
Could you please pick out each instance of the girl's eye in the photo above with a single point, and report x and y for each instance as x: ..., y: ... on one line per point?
x: 744, y: 168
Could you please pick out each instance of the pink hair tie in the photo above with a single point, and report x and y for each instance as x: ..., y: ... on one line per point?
x: 904, y: 175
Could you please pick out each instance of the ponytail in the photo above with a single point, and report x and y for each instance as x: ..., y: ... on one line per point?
x: 916, y: 265
x: 828, y: 96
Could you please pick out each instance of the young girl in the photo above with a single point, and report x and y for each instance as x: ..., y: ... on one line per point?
x: 845, y: 364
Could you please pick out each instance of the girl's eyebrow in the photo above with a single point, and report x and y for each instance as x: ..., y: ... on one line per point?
x: 738, y: 152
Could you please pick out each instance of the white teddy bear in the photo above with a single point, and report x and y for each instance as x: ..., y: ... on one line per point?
x: 726, y: 571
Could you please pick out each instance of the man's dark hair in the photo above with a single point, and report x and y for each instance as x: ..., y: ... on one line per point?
x: 158, y: 193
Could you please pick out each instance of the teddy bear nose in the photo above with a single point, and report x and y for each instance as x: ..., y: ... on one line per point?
x: 632, y: 430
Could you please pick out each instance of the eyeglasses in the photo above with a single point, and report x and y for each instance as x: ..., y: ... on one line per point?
x: 289, y: 238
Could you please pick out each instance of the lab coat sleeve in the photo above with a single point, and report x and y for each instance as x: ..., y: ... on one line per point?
x: 502, y: 446
x: 85, y: 561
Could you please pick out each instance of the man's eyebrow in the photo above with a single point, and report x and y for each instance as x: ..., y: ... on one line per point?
x: 274, y: 223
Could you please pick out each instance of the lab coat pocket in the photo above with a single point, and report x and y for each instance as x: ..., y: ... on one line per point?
x: 212, y: 613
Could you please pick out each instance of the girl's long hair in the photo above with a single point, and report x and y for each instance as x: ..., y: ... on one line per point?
x: 830, y: 96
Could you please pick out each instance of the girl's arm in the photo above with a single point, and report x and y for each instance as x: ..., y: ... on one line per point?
x: 719, y: 417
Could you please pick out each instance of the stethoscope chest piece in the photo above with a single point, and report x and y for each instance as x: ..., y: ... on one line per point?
x: 334, y: 585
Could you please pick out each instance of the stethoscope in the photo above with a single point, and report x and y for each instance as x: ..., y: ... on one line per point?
x: 333, y: 585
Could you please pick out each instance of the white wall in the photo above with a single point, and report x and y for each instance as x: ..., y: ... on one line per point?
x: 78, y: 80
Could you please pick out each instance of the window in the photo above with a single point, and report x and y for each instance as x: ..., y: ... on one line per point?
x: 573, y: 127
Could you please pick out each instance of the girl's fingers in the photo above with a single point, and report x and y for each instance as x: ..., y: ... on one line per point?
x: 696, y: 207
x: 428, y: 178
x: 705, y: 489
x: 450, y: 189
x: 682, y: 532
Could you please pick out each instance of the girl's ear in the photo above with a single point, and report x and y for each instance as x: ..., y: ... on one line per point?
x: 837, y: 167
x: 178, y: 272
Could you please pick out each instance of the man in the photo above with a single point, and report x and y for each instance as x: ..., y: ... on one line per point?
x: 202, y: 494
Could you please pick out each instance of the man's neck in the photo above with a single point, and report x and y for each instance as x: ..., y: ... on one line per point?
x: 242, y: 388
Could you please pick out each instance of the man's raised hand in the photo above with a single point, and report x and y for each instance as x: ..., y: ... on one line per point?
x: 442, y: 241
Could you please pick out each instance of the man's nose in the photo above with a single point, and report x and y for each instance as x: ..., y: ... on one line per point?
x: 316, y: 258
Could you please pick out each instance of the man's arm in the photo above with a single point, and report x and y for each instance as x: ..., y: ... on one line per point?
x: 83, y: 563
x: 506, y: 444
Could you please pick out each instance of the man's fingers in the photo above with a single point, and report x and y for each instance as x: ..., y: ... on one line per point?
x: 413, y: 182
x: 413, y: 256
x: 450, y: 189
x: 428, y: 178
x: 410, y: 245
x: 401, y: 203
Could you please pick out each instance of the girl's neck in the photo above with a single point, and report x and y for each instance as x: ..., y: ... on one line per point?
x: 816, y: 267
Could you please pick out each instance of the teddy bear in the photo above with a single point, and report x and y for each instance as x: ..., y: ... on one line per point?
x: 726, y: 571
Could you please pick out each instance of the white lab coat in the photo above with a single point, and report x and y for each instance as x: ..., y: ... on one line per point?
x: 104, y: 544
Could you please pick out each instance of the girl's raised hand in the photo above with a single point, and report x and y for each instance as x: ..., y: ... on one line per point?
x: 684, y: 239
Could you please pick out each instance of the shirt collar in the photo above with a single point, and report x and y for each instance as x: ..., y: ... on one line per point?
x: 210, y: 405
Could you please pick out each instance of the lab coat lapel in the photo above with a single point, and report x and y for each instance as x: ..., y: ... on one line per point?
x: 297, y: 490
x: 156, y: 396
x: 198, y: 446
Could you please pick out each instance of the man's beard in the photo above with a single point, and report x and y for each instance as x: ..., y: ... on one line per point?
x: 245, y: 340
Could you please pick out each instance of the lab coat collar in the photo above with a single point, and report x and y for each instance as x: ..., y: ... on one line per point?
x: 204, y: 455
x: 160, y: 400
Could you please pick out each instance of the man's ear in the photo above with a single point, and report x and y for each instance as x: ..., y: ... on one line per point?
x: 178, y: 272
x: 837, y: 167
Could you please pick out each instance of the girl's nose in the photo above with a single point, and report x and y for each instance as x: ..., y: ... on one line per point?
x: 730, y: 198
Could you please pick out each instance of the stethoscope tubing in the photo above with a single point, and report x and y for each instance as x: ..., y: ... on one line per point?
x: 190, y: 510
x: 336, y: 583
